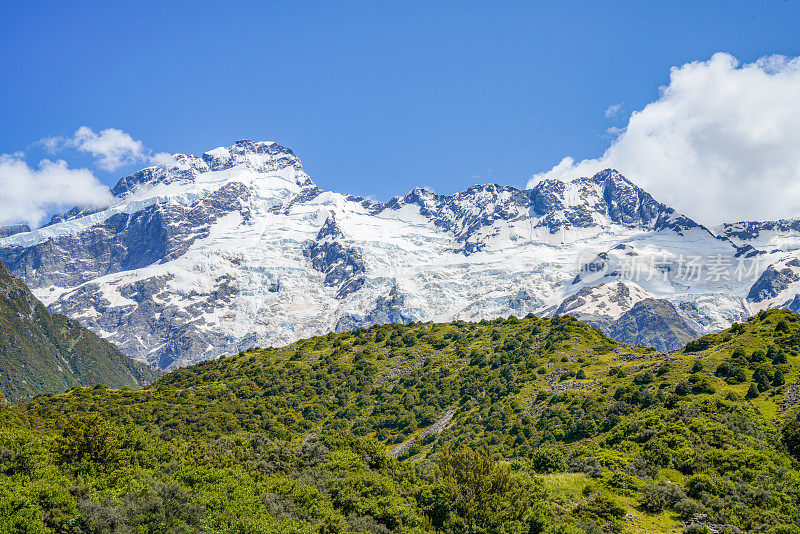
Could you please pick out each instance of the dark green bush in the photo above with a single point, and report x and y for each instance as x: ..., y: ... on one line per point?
x: 548, y: 459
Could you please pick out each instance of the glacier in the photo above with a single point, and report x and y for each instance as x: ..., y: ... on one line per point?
x: 208, y: 255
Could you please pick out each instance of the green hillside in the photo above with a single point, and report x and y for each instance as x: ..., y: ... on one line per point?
x: 519, y: 425
x: 42, y: 352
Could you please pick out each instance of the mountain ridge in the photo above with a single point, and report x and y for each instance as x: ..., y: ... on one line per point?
x: 204, y: 256
x: 46, y: 353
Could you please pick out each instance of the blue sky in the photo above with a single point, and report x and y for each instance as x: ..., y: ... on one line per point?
x: 375, y: 97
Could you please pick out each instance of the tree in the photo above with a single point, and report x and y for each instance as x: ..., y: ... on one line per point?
x: 752, y: 393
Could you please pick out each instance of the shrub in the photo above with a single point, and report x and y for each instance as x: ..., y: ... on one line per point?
x: 687, y: 508
x: 738, y: 354
x: 762, y: 379
x: 791, y: 437
x: 736, y: 376
x: 701, y: 483
x: 703, y: 386
x: 87, y: 438
x: 622, y: 481
x: 757, y: 356
x: 700, y: 344
x: 777, y: 379
x: 548, y: 459
x: 659, y: 496
x: 683, y: 389
x: 600, y: 508
x: 784, y: 529
x: 472, y: 490
x: 644, y: 378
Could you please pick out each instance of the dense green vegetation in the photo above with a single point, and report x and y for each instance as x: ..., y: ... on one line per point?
x: 513, y: 425
x: 42, y: 352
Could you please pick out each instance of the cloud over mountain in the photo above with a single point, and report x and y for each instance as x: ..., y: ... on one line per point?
x: 720, y: 143
x: 29, y: 194
x: 111, y: 148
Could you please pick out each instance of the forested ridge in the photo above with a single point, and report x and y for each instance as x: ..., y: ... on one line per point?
x: 512, y: 425
x: 43, y: 352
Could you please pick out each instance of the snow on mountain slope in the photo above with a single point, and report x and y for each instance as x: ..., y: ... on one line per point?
x: 776, y: 245
x: 609, y: 300
x: 238, y: 247
x: 768, y: 236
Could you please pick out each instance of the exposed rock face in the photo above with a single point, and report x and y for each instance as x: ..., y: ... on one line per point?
x: 342, y: 265
x: 6, y: 231
x: 751, y: 230
x: 609, y: 300
x: 465, y: 214
x: 772, y: 283
x: 124, y: 242
x: 653, y: 323
x: 260, y: 157
x: 607, y: 195
x: 388, y: 309
x: 207, y: 255
x: 793, y: 305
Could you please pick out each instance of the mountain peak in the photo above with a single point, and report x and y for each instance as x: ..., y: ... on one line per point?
x: 255, y: 154
x: 604, y: 198
x: 264, y: 157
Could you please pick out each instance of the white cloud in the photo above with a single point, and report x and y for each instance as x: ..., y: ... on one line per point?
x: 164, y: 158
x: 613, y: 110
x: 52, y: 144
x: 30, y: 194
x: 111, y: 148
x: 721, y: 143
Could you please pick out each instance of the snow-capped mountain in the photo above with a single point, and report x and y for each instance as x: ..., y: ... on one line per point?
x: 238, y: 247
